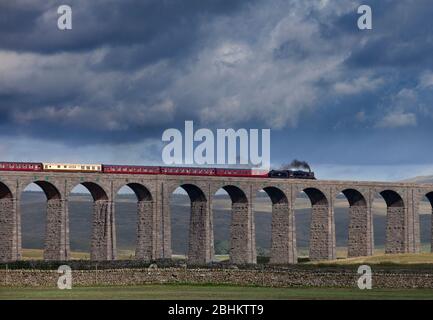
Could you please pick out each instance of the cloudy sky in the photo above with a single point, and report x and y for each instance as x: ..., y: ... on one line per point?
x: 356, y: 104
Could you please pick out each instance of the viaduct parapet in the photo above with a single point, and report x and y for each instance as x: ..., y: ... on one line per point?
x: 153, y: 215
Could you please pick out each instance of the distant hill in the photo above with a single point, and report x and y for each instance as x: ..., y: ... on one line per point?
x: 420, y: 179
x: 80, y: 217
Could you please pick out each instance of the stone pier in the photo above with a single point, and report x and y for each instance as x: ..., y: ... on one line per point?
x: 57, y: 231
x: 199, y: 244
x: 322, y: 233
x: 10, y: 237
x: 145, y: 234
x: 360, y: 241
x: 103, y: 234
x: 283, y: 236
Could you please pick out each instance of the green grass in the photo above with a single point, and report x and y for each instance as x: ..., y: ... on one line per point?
x: 206, y: 292
x: 398, y: 259
x: 378, y: 258
x: 38, y: 254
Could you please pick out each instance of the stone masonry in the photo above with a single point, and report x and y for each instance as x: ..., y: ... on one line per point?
x: 272, y: 277
x: 153, y: 215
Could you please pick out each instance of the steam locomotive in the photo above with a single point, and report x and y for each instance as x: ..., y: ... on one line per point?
x: 153, y: 170
x: 291, y: 174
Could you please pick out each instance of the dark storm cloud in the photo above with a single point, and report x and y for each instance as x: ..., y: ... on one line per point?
x: 31, y: 26
x: 131, y: 34
x: 130, y: 69
x: 401, y: 37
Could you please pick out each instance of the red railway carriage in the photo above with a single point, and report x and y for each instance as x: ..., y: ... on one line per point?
x: 20, y: 166
x: 188, y: 171
x: 125, y: 169
x: 240, y: 173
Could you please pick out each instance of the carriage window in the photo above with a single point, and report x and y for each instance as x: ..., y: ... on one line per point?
x: 88, y: 167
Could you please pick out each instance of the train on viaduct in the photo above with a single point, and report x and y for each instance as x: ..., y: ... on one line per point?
x: 153, y: 227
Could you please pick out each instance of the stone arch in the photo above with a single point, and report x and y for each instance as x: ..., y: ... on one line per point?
x: 236, y: 194
x: 5, y: 191
x: 10, y: 242
x: 199, y: 235
x: 316, y: 196
x: 98, y: 193
x: 396, y: 239
x: 283, y: 230
x: 392, y: 198
x: 429, y: 196
x: 242, y: 234
x: 141, y: 191
x: 360, y: 234
x: 103, y: 242
x: 276, y: 195
x: 56, y: 227
x: 144, y: 240
x: 354, y: 197
x: 194, y: 192
x: 322, y: 228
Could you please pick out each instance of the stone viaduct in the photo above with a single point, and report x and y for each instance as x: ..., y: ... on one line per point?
x: 153, y: 215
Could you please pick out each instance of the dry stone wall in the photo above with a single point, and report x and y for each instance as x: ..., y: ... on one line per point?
x: 266, y: 278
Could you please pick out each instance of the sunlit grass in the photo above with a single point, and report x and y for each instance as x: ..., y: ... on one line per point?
x: 402, y: 258
x: 210, y: 292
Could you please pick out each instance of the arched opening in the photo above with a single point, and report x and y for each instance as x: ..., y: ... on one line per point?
x: 395, y: 241
x: 353, y: 224
x: 41, y: 217
x: 262, y: 208
x: 378, y: 210
x: 221, y: 218
x: 425, y: 208
x: 180, y: 209
x: 242, y: 237
x: 80, y: 206
x: 197, y: 245
x: 312, y: 206
x: 5, y: 192
x: 92, y: 229
x: 342, y: 217
x: 134, y: 212
x: 303, y: 209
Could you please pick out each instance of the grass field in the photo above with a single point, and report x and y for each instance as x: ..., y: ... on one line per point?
x: 203, y: 292
x: 378, y: 258
x: 405, y: 258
